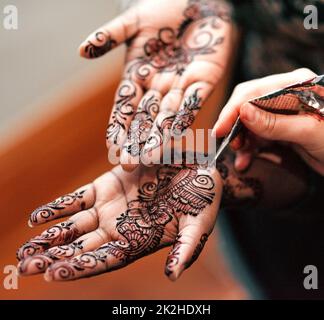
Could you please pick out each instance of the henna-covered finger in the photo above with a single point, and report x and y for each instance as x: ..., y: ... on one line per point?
x: 110, y: 35
x: 140, y: 129
x: 185, y: 251
x: 194, y: 229
x: 108, y: 257
x: 71, y: 203
x: 194, y: 97
x: 38, y: 263
x: 127, y: 97
x: 60, y: 234
x: 161, y: 131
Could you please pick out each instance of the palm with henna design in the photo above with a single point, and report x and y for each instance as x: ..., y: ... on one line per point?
x: 176, y: 53
x: 123, y: 216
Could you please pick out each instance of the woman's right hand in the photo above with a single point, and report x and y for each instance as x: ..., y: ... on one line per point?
x: 305, y: 132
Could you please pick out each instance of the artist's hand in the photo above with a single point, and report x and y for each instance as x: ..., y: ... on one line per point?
x: 177, y: 51
x: 304, y: 132
x: 121, y: 217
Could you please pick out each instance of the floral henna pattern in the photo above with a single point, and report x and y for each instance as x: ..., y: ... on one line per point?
x: 124, y: 110
x: 45, y: 212
x: 61, y: 233
x: 186, y: 116
x: 172, y: 50
x: 104, y: 43
x: 178, y: 190
x: 141, y: 126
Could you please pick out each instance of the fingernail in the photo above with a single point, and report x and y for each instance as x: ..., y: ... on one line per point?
x: 175, y: 275
x: 248, y: 112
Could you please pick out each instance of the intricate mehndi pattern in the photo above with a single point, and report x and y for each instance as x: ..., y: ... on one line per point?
x: 64, y: 232
x: 40, y: 262
x: 186, y: 116
x: 45, y: 212
x: 141, y: 126
x: 172, y: 50
x: 178, y: 190
x: 122, y: 113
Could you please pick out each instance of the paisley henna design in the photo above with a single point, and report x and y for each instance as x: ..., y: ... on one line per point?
x: 64, y: 232
x: 141, y: 126
x: 178, y: 189
x: 172, y: 50
x: 105, y: 43
x: 45, y: 212
x: 124, y: 110
x: 186, y: 116
x: 173, y: 257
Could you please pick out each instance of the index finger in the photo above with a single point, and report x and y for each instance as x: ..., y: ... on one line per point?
x: 251, y: 89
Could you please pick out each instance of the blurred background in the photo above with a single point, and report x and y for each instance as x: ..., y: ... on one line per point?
x: 53, y: 115
x: 41, y: 58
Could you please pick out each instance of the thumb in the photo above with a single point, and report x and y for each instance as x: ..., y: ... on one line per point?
x: 272, y: 126
x: 186, y: 249
x: 110, y: 35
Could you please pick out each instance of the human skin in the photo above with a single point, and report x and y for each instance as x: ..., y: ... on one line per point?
x: 123, y: 216
x: 303, y: 131
x: 174, y: 60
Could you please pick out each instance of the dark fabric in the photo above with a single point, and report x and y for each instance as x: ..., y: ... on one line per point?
x: 277, y: 245
x: 275, y: 39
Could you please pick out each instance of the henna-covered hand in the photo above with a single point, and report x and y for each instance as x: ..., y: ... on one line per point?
x: 177, y: 51
x: 124, y: 216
